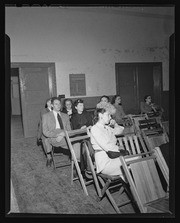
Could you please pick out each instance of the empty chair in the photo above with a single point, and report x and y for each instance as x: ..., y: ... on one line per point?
x: 76, y: 137
x: 153, y: 132
x: 135, y: 120
x: 145, y: 182
x: 135, y: 144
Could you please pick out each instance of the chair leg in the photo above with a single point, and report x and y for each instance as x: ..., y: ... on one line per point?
x: 52, y: 154
x: 110, y: 196
x: 72, y: 171
x: 131, y: 197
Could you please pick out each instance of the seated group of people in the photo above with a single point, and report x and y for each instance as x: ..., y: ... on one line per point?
x: 106, y: 124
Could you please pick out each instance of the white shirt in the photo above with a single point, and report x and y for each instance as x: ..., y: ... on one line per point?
x: 57, y: 122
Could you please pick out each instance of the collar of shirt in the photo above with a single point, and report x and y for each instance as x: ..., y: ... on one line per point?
x: 57, y: 122
x: 55, y: 113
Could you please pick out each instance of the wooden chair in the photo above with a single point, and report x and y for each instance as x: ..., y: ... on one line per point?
x: 76, y: 136
x: 135, y: 120
x: 57, y: 162
x: 163, y: 165
x: 153, y: 132
x: 144, y: 179
x: 109, y: 185
x: 128, y: 126
x: 135, y: 144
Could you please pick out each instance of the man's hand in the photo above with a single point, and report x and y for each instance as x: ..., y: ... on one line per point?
x: 60, y: 136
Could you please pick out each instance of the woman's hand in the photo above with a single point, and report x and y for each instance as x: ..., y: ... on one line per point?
x: 112, y: 122
x: 83, y: 127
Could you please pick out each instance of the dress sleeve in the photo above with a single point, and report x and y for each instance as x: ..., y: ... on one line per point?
x: 142, y: 107
x: 122, y: 111
x: 102, y: 140
x: 118, y: 129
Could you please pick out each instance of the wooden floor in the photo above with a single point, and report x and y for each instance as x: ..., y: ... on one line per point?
x: 38, y: 189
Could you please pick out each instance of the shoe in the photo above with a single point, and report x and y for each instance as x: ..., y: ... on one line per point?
x: 88, y: 175
x: 49, y: 162
x: 39, y: 142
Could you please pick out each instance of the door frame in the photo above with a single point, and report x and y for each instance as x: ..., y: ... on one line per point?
x: 135, y: 64
x: 52, y: 76
x: 51, y: 79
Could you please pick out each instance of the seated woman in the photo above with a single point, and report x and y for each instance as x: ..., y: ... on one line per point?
x: 147, y: 107
x: 82, y: 118
x: 68, y: 107
x: 103, y: 139
x: 119, y: 114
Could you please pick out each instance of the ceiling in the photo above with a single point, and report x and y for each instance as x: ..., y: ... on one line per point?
x: 147, y: 11
x: 156, y: 11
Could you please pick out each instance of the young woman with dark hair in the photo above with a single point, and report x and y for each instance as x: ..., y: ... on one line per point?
x: 103, y: 139
x: 82, y: 118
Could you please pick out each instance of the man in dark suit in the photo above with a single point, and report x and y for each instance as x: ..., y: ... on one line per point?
x: 53, y: 124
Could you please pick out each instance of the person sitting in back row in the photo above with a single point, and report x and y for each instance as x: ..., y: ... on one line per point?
x: 82, y: 118
x: 147, y: 107
x: 119, y: 114
x: 68, y: 107
x: 105, y: 99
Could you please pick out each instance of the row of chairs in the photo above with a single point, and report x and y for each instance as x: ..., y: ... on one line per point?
x: 154, y: 132
x: 143, y: 169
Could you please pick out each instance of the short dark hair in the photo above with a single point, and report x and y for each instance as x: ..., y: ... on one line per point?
x: 146, y: 96
x: 67, y: 99
x: 114, y: 98
x: 49, y: 99
x: 55, y: 98
x: 76, y: 102
x: 96, y: 114
x: 105, y: 96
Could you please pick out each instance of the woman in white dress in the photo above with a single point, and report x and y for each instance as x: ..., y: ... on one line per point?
x: 103, y: 139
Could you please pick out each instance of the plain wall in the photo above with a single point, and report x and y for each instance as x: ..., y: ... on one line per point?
x: 87, y: 41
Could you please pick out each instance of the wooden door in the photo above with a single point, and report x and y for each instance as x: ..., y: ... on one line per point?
x: 135, y: 80
x: 36, y: 85
x: 127, y: 88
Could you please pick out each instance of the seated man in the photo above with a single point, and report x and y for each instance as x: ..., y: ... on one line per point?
x: 53, y: 124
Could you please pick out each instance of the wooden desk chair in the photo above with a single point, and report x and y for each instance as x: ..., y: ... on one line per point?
x: 109, y: 185
x: 76, y: 136
x: 145, y: 183
x: 57, y: 162
x: 135, y: 120
x: 153, y: 132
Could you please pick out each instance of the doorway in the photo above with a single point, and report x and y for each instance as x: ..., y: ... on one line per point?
x: 16, y: 110
x: 34, y: 82
x: 135, y: 80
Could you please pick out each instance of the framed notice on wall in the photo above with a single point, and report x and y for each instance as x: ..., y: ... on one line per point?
x: 77, y: 84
